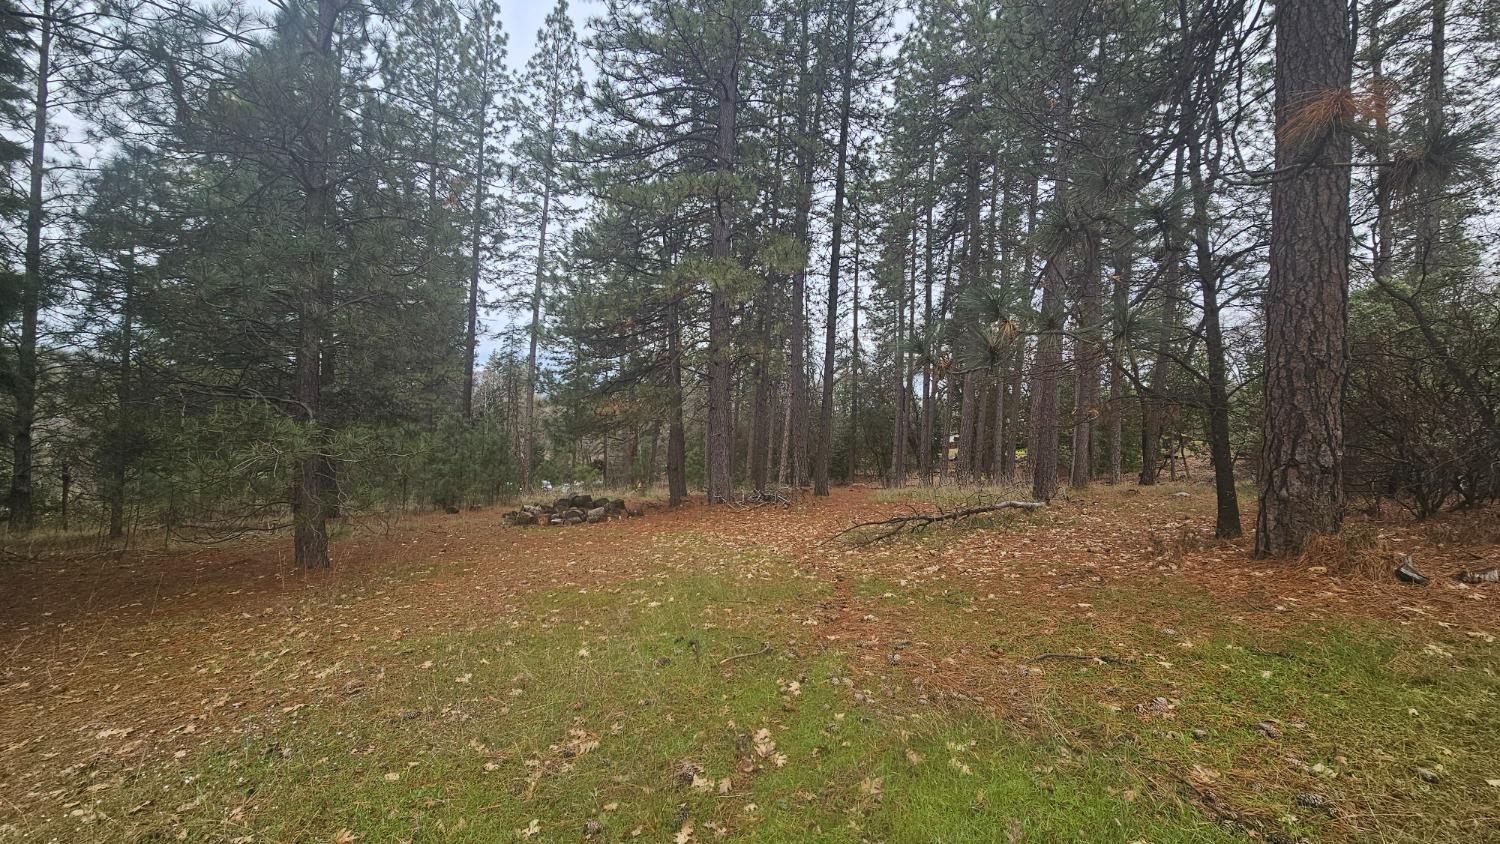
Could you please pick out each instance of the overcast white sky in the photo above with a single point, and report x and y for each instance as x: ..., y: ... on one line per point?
x: 522, y: 19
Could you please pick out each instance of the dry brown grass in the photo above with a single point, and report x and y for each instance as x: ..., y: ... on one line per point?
x: 1358, y: 551
x: 1174, y: 542
x: 1465, y: 528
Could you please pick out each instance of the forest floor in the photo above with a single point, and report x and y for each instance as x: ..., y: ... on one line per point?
x: 1101, y: 670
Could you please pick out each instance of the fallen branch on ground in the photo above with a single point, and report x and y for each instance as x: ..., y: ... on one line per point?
x: 768, y: 497
x: 764, y: 650
x: 915, y: 522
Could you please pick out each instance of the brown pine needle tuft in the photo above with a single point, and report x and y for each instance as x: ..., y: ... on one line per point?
x: 1318, y: 111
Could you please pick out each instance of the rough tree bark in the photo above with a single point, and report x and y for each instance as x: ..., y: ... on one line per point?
x: 1008, y: 462
x: 1302, y: 439
x: 1001, y: 432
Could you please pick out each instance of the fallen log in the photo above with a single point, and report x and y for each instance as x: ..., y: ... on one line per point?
x: 915, y: 522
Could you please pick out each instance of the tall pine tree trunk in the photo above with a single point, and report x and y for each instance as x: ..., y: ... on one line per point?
x: 1154, y: 404
x: 1000, y: 432
x: 1046, y: 384
x: 125, y: 411
x: 944, y: 402
x: 528, y: 448
x: 1119, y: 310
x: 720, y: 364
x: 1302, y: 437
x: 1013, y: 412
x: 929, y: 381
x: 1008, y: 466
x: 1086, y: 366
x: 853, y: 467
x: 830, y: 334
x: 676, y: 428
x: 899, y: 391
x: 476, y: 230
x: 760, y: 415
x: 973, y: 396
x: 798, y: 411
x: 31, y: 286
x: 1227, y: 522
x: 1042, y: 447
x: 310, y: 507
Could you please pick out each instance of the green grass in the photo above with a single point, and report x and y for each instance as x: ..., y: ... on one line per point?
x: 590, y: 708
x: 592, y: 712
x: 1356, y: 708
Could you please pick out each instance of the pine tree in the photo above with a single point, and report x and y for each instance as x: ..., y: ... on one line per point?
x: 120, y: 227
x: 549, y: 104
x: 485, y: 80
x: 25, y: 380
x: 14, y: 47
x: 1302, y: 484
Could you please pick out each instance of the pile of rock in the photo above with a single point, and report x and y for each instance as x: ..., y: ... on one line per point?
x: 572, y: 510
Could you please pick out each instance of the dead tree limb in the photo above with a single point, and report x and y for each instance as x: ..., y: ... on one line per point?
x: 765, y: 649
x: 912, y: 523
x: 751, y: 500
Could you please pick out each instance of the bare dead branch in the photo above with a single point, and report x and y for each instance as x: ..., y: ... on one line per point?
x: 915, y: 522
x: 765, y: 649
